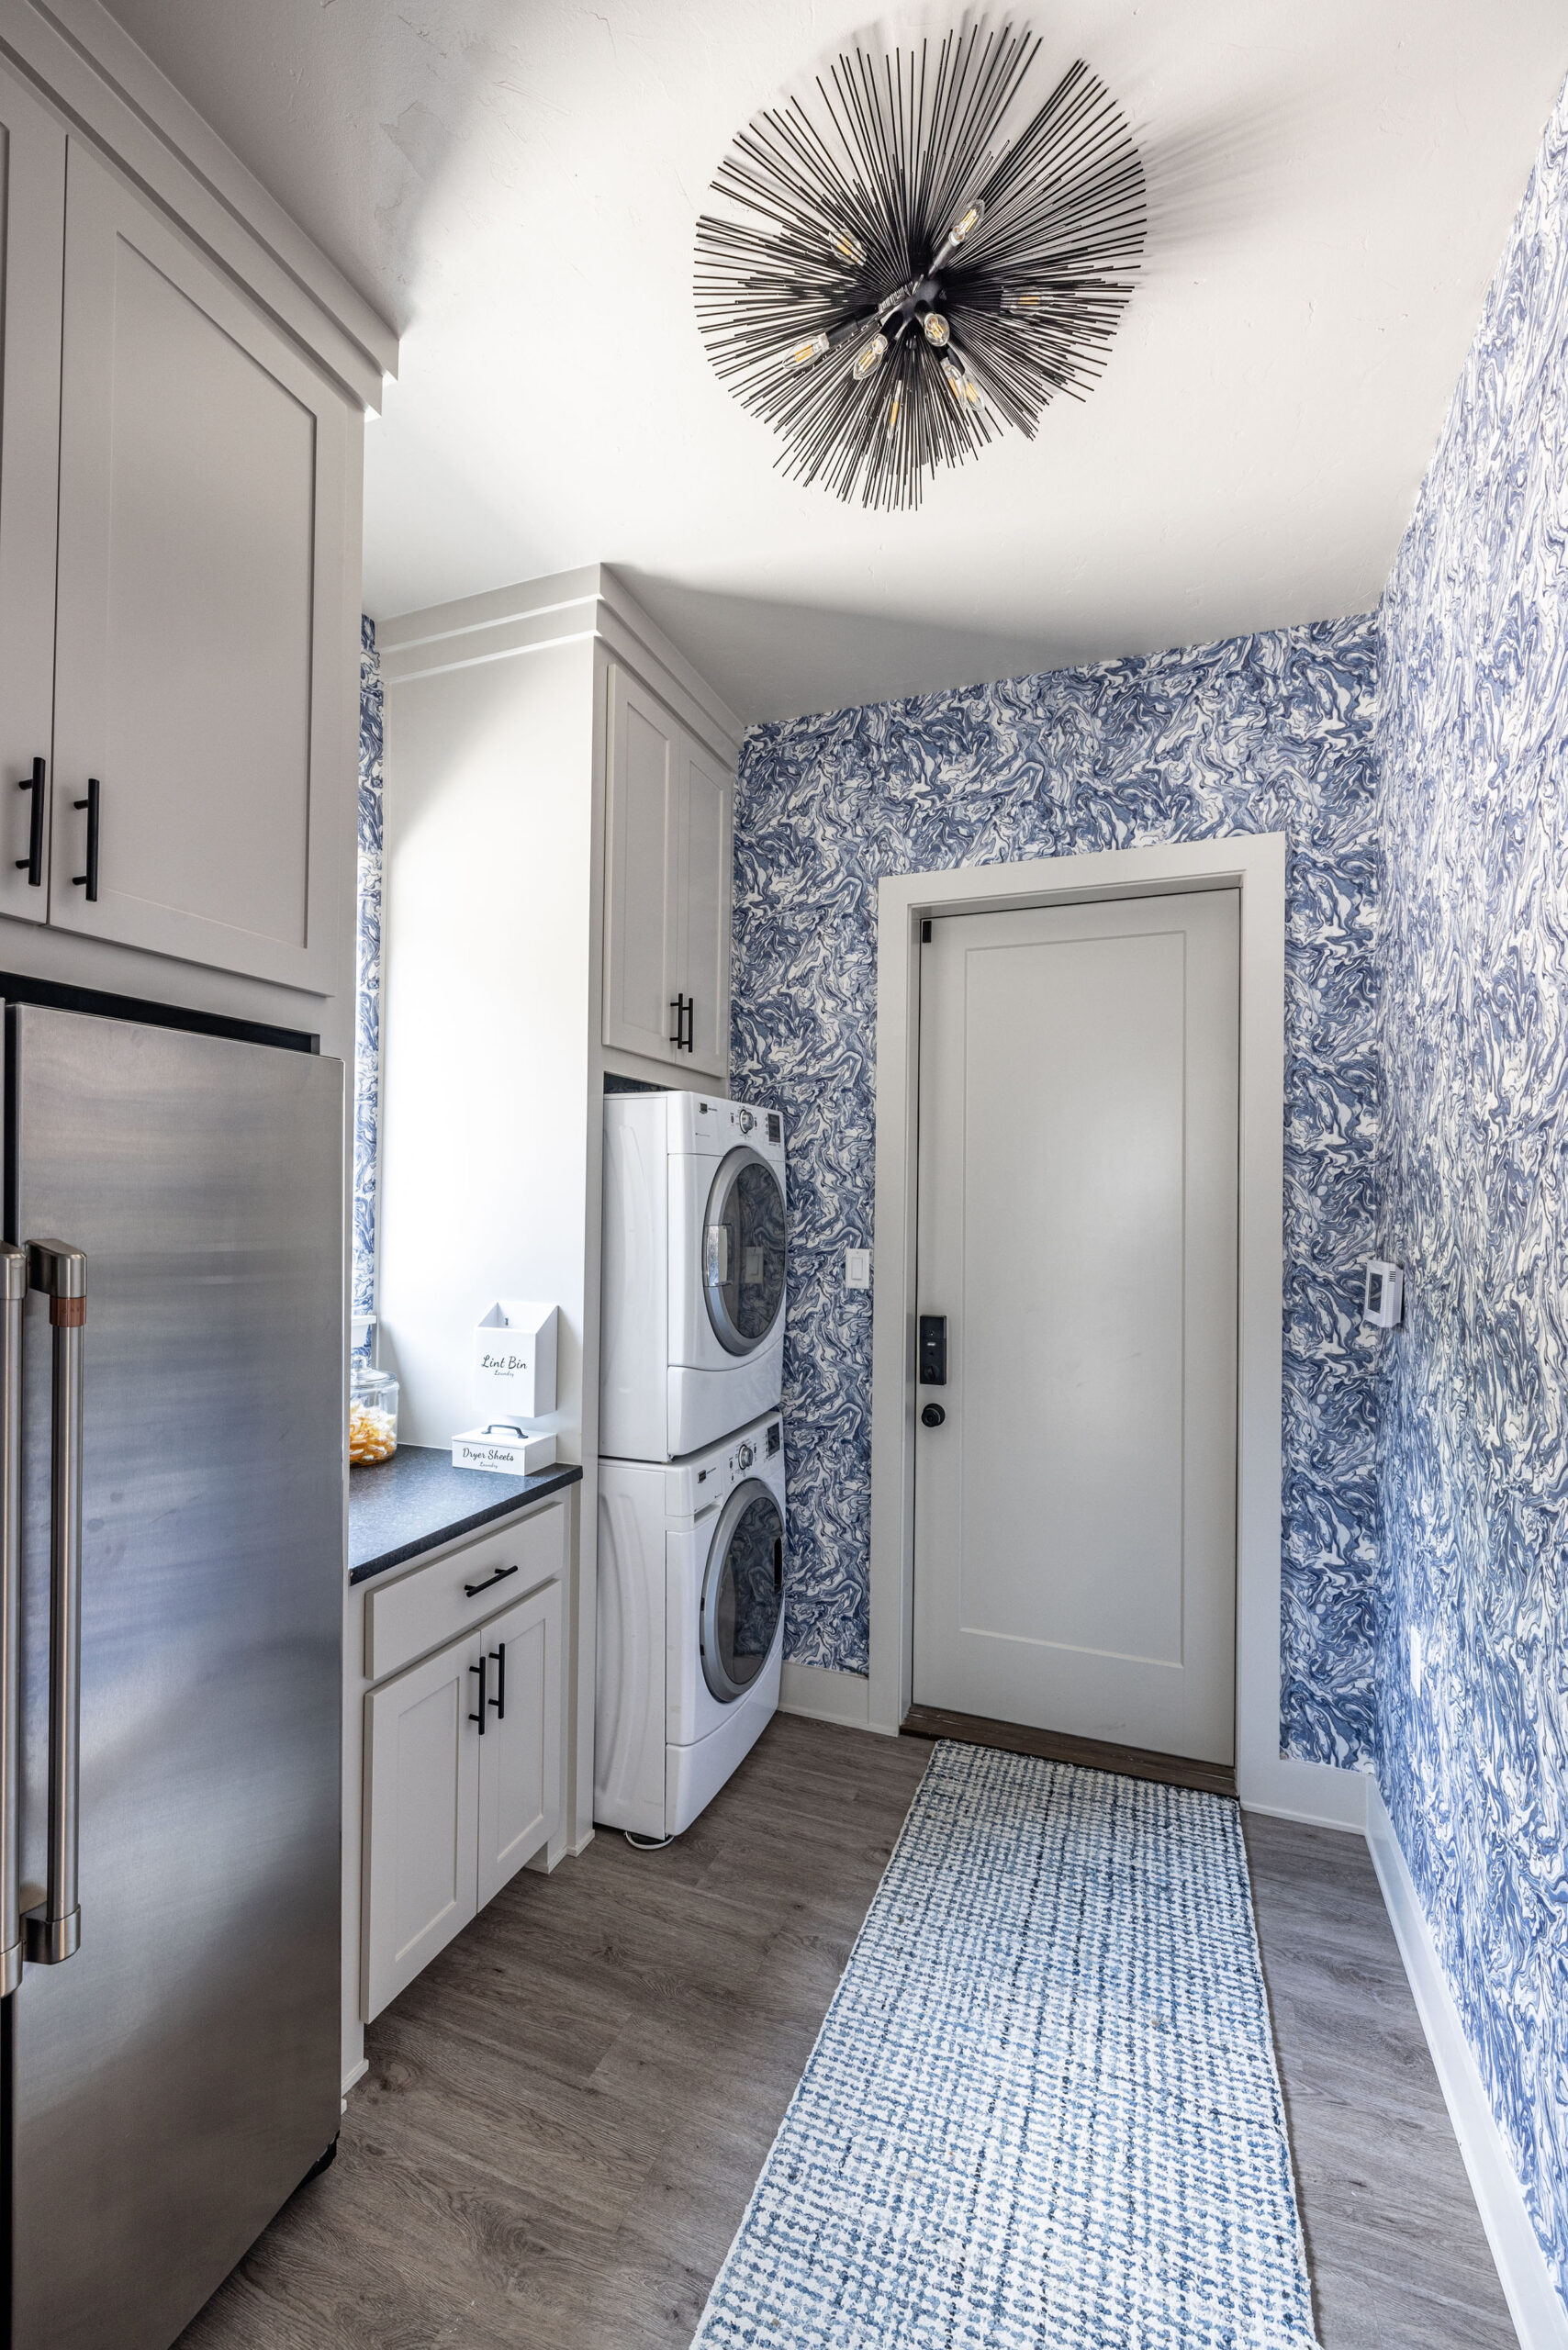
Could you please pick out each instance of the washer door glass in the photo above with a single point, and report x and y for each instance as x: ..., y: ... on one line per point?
x: 742, y: 1592
x: 743, y: 1251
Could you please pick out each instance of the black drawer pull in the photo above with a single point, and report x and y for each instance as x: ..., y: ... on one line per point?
x: 499, y: 1699
x: 32, y: 864
x: 472, y: 1590
x: 89, y: 880
x: 479, y: 1717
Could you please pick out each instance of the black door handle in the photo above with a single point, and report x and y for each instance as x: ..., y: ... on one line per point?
x: 89, y: 880
x: 472, y: 1590
x: 499, y: 1699
x: 479, y: 1717
x: 933, y: 1415
x: 32, y: 864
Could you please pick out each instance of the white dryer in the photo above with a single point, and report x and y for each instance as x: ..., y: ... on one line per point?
x: 691, y: 1626
x: 692, y: 1326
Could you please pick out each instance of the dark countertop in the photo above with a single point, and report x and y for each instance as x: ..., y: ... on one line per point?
x: 418, y: 1500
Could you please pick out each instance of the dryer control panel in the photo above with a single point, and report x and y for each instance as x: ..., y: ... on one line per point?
x: 707, y: 1122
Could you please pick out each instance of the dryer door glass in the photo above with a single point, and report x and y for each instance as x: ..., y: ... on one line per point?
x: 742, y: 1592
x: 743, y: 1251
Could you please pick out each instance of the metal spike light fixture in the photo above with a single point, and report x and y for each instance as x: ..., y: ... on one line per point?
x: 898, y: 278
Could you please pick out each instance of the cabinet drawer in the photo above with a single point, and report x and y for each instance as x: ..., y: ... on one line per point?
x: 429, y: 1604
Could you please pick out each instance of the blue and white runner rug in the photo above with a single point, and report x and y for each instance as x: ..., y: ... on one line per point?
x: 1043, y: 2113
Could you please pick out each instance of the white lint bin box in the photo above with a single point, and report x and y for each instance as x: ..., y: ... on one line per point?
x: 514, y: 1362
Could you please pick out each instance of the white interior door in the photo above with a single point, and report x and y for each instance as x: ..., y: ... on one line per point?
x: 519, y: 1755
x: 32, y: 234
x: 1075, y: 1510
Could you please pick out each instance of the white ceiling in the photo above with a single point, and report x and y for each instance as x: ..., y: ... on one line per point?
x: 515, y: 184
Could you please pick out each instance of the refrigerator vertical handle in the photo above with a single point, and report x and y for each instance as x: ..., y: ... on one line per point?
x: 13, y: 1292
x: 55, y: 1931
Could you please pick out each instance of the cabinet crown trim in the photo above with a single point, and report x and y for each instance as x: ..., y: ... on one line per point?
x: 93, y: 71
x: 561, y: 609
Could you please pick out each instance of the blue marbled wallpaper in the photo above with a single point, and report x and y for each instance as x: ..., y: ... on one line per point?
x: 368, y: 979
x: 1267, y: 733
x: 1473, y: 1647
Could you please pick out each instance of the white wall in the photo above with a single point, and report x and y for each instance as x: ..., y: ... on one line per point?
x: 485, y: 969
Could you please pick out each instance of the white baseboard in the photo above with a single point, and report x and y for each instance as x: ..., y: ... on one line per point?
x: 825, y: 1696
x: 1539, y: 2317
x: 358, y: 2074
x: 1312, y: 1792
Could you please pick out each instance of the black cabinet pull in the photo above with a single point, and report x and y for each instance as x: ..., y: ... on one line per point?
x: 479, y: 1717
x: 89, y: 880
x: 691, y: 1024
x: 472, y: 1590
x: 685, y: 1010
x: 499, y: 1699
x: 32, y: 864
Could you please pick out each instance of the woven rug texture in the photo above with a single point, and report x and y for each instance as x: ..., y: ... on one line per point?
x: 1043, y: 2113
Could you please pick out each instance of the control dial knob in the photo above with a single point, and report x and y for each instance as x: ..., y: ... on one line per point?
x: 746, y: 1455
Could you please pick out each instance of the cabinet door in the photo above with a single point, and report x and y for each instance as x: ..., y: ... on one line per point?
x: 519, y: 1755
x: 421, y: 1771
x: 706, y: 891
x: 32, y: 231
x: 200, y: 658
x: 640, y: 872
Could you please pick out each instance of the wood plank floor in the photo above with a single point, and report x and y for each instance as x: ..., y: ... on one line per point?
x: 565, y: 2116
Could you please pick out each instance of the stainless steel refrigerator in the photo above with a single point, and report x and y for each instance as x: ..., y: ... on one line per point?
x: 171, y: 1608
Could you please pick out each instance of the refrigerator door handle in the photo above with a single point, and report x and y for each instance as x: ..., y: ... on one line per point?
x: 55, y: 1931
x: 13, y: 1291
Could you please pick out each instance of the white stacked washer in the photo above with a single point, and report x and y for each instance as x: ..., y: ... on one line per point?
x: 691, y: 1473
x: 692, y: 1337
x: 691, y: 1626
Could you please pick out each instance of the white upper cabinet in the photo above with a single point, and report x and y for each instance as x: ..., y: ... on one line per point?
x: 32, y: 228
x: 201, y: 624
x: 666, y: 926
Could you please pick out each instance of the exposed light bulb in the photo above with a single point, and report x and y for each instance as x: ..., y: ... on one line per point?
x: 937, y: 331
x: 962, y: 385
x: 870, y: 357
x: 849, y: 248
x: 963, y: 226
x: 805, y: 352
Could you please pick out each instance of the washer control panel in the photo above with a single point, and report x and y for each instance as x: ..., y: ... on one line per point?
x: 721, y: 1473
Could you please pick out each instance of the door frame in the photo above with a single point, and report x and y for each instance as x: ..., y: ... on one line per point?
x: 1253, y: 864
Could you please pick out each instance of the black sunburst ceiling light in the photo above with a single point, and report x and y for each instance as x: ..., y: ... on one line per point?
x: 901, y: 277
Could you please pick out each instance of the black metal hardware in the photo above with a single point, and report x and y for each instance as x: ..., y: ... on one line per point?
x: 32, y: 864
x: 933, y: 1372
x: 685, y: 1010
x: 472, y: 1590
x: 89, y: 880
x: 479, y: 1717
x: 499, y: 1700
x: 933, y: 1415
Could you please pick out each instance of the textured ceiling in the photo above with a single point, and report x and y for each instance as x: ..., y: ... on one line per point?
x: 515, y: 182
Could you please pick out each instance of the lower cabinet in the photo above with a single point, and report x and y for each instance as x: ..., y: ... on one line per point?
x: 462, y: 1785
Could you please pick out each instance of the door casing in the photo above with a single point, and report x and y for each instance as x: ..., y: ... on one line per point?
x: 1254, y: 864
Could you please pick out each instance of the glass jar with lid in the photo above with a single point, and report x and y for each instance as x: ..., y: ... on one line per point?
x: 373, y: 1416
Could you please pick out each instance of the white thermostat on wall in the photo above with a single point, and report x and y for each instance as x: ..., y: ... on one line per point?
x: 514, y: 1360
x: 1384, y: 1303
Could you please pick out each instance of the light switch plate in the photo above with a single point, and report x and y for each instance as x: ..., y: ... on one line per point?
x: 857, y: 1269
